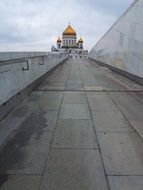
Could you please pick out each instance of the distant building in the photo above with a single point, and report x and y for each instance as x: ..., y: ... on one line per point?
x: 69, y: 43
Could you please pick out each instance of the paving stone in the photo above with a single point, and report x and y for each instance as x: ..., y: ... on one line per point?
x: 74, y: 169
x: 37, y: 95
x: 74, y: 111
x: 52, y: 94
x: 126, y: 182
x: 75, y: 134
x: 78, y: 93
x: 94, y: 87
x: 24, y: 159
x: 122, y: 153
x: 57, y: 79
x: 34, y: 159
x: 97, y: 95
x: 75, y: 78
x: 110, y: 121
x: 50, y: 104
x: 74, y: 82
x: 53, y: 87
x: 123, y: 98
x: 51, y: 119
x: 129, y: 84
x: 132, y: 112
x: 74, y: 98
x: 27, y: 151
x: 9, y: 126
x: 90, y: 82
x: 22, y: 182
x: 138, y: 126
x: 46, y: 101
x: 101, y: 104
x: 107, y: 84
x: 138, y: 96
x: 74, y: 87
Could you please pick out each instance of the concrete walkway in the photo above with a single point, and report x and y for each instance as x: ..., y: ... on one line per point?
x: 81, y: 129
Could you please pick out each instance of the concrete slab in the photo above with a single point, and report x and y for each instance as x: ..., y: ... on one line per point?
x: 34, y: 159
x: 57, y: 79
x: 52, y: 94
x: 24, y: 161
x: 101, y: 104
x: 74, y: 111
x: 47, y: 103
x: 75, y: 134
x: 22, y: 182
x: 74, y: 98
x: 90, y: 81
x: 38, y: 97
x: 35, y: 95
x: 97, y: 95
x: 28, y: 159
x: 123, y: 98
x: 74, y: 77
x: 52, y: 87
x: 51, y: 119
x: 70, y: 93
x: 94, y: 88
x: 74, y: 169
x: 74, y: 82
x: 126, y: 182
x: 10, y: 125
x: 27, y: 151
x: 107, y: 84
x: 122, y: 153
x: 74, y: 87
x: 138, y: 96
x: 129, y: 84
x: 110, y: 121
x: 132, y: 112
x: 138, y: 126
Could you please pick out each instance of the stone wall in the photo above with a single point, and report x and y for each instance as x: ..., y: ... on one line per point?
x: 21, y: 72
x: 121, y: 48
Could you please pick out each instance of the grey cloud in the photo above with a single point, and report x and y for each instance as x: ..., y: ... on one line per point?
x: 31, y: 23
x: 108, y: 6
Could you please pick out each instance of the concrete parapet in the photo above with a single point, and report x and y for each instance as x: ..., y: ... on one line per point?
x: 20, y: 73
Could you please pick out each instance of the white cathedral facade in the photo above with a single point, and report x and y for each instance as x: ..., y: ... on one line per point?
x: 69, y: 43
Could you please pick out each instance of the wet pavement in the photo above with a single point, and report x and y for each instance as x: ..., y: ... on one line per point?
x: 81, y: 129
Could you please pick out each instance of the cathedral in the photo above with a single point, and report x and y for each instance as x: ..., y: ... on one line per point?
x: 69, y: 43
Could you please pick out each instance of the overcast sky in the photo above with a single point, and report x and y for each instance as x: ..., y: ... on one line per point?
x: 36, y: 24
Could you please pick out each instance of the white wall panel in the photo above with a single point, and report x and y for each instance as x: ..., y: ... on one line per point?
x: 13, y: 78
x: 122, y: 45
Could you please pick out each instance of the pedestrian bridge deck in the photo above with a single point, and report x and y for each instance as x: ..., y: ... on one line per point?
x: 81, y: 129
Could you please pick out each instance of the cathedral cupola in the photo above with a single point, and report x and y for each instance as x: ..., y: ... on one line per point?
x: 69, y: 31
x: 69, y: 37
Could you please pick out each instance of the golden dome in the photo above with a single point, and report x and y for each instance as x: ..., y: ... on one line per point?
x: 59, y: 40
x: 69, y: 31
x: 80, y: 40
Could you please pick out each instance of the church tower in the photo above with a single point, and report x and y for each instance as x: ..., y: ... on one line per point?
x: 59, y: 41
x: 80, y: 43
